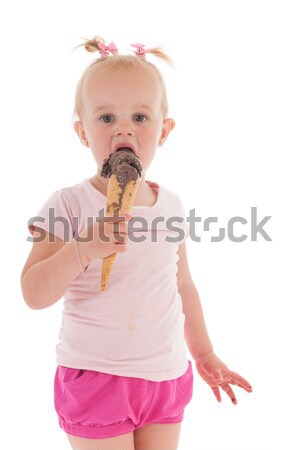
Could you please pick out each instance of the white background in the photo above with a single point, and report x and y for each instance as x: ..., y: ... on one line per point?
x: 234, y: 95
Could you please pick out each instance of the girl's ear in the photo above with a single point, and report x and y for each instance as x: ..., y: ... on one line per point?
x: 78, y: 127
x: 168, y: 125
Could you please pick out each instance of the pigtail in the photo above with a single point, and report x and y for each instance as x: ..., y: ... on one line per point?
x: 91, y: 45
x: 156, y: 51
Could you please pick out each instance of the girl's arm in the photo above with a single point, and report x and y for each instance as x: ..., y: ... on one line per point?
x: 49, y: 270
x: 209, y: 366
x: 52, y: 266
x: 195, y: 331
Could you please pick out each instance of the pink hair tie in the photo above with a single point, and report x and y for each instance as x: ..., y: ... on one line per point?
x: 140, y: 50
x: 105, y: 49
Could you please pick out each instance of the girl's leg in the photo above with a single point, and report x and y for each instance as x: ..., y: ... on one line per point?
x: 122, y: 442
x: 157, y: 436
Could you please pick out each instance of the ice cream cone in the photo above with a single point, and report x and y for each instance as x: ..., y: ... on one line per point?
x: 123, y: 204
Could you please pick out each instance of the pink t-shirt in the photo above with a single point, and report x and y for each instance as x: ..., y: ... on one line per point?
x: 136, y: 327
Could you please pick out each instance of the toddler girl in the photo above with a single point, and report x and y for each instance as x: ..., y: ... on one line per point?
x: 123, y: 379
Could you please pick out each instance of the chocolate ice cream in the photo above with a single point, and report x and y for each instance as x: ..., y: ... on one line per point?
x: 124, y: 170
x: 126, y: 166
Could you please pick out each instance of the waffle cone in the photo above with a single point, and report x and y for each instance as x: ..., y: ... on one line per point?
x: 123, y: 206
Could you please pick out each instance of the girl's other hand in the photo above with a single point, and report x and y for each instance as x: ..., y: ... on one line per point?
x: 216, y: 374
x: 106, y: 236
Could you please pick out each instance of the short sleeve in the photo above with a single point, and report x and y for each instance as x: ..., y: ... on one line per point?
x: 55, y: 216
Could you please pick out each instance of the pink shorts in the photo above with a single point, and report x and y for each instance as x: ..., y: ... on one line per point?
x: 97, y: 405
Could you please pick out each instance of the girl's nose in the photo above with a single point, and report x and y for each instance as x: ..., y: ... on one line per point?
x: 124, y: 128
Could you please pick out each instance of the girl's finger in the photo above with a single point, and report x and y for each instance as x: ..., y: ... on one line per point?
x: 216, y: 391
x: 116, y: 230
x: 230, y: 393
x: 247, y: 388
x: 240, y: 381
x: 122, y: 217
x: 114, y: 218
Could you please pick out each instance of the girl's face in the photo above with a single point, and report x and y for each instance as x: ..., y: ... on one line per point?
x: 123, y: 107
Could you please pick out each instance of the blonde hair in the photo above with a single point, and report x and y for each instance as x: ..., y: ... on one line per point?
x: 115, y: 62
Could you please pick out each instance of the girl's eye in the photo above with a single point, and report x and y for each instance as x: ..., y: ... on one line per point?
x: 103, y: 118
x: 138, y: 116
x: 107, y: 118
